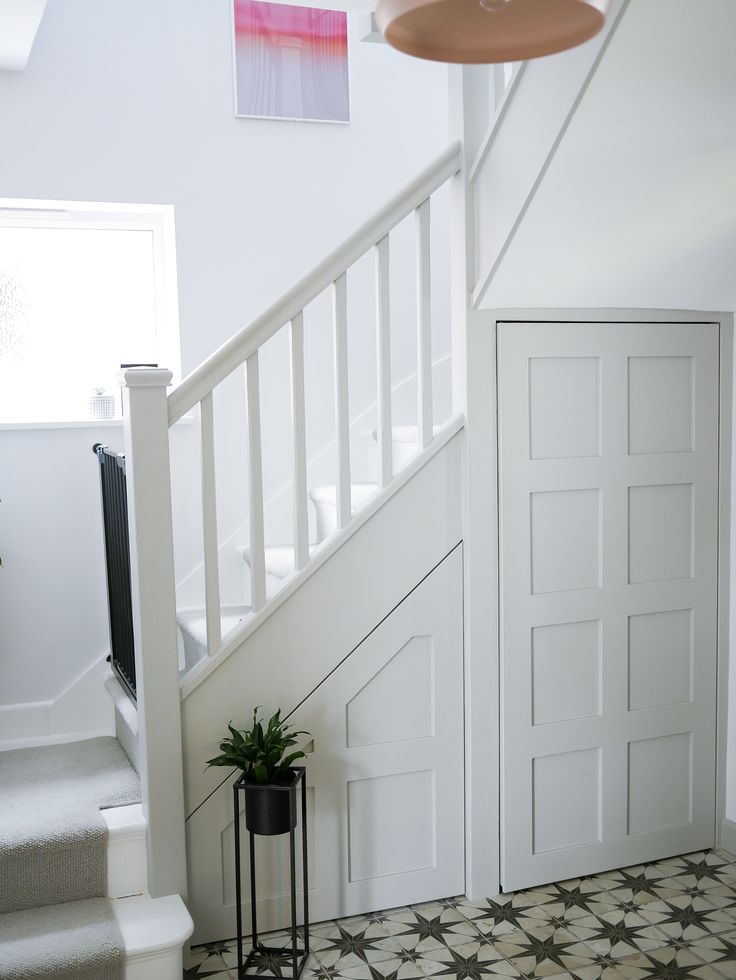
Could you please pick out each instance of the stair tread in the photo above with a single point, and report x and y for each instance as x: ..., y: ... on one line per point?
x: 89, y: 939
x: 279, y: 558
x: 193, y: 622
x: 327, y: 492
x: 405, y: 433
x: 52, y: 839
x: 80, y: 939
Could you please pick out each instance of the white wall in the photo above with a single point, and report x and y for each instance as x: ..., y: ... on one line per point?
x: 133, y: 103
x: 638, y: 205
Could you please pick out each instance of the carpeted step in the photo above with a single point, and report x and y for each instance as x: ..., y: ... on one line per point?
x: 52, y: 835
x: 74, y: 941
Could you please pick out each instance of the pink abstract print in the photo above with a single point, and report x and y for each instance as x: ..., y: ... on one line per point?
x: 291, y: 62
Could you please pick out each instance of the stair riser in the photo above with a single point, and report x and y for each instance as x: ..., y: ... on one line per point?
x: 165, y: 965
x: 126, y: 851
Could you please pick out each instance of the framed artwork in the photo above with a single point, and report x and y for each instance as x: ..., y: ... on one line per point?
x: 290, y: 62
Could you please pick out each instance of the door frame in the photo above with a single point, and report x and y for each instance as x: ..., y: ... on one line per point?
x: 482, y: 583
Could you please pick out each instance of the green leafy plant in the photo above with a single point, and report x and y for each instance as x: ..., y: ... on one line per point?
x: 260, y: 752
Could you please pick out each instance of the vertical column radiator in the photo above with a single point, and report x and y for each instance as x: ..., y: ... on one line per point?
x: 117, y: 563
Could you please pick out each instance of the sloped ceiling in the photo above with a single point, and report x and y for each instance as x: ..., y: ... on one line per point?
x: 638, y: 206
x: 19, y: 22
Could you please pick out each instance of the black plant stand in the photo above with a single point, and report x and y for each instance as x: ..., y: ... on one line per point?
x: 298, y: 956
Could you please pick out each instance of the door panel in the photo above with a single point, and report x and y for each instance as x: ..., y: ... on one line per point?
x: 608, y: 459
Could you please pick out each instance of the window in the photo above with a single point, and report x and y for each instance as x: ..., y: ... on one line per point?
x: 83, y: 289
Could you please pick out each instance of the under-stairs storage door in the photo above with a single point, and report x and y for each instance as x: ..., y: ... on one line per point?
x: 609, y: 521
x: 388, y: 766
x: 385, y: 778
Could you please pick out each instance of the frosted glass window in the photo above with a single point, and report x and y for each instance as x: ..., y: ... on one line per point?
x: 75, y: 304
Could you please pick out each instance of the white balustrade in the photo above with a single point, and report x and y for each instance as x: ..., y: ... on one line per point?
x: 288, y: 313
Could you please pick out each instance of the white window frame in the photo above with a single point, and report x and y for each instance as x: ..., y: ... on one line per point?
x: 158, y: 219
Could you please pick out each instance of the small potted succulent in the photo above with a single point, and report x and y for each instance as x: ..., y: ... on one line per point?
x: 261, y: 753
x: 101, y: 405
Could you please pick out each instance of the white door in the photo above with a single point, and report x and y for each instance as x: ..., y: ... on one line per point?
x: 609, y: 521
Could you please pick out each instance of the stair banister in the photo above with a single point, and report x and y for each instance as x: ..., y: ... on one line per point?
x: 153, y: 597
x: 242, y: 351
x: 235, y: 351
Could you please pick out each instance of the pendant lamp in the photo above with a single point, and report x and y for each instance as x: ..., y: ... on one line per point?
x: 488, y: 31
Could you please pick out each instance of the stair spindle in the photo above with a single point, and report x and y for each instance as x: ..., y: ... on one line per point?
x: 209, y: 527
x: 342, y: 412
x: 298, y: 420
x: 424, y: 326
x: 383, y: 351
x: 255, y: 459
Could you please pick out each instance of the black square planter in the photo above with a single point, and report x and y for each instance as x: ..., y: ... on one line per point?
x: 271, y: 810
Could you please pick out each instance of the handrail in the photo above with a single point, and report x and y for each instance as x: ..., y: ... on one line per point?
x: 243, y: 344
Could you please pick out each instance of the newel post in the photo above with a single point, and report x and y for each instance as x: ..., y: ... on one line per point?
x: 154, y: 627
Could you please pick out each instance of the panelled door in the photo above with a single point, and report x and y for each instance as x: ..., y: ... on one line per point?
x: 609, y: 521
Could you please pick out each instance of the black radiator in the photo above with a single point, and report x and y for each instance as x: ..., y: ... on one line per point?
x: 117, y: 561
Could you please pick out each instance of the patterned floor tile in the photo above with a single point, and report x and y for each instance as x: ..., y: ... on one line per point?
x: 640, y: 885
x: 206, y: 961
x: 270, y: 964
x: 686, y: 918
x: 719, y: 952
x: 472, y: 961
x: 544, y: 952
x: 355, y: 942
x: 677, y: 963
x: 617, y: 933
x: 429, y: 927
x: 506, y: 913
x: 570, y: 899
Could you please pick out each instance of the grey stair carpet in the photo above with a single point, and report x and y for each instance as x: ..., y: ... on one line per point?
x: 75, y: 941
x: 53, y: 841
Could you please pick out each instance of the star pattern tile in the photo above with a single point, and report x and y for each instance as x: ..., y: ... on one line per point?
x: 671, y: 920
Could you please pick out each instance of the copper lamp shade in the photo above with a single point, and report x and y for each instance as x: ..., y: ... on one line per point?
x: 488, y: 31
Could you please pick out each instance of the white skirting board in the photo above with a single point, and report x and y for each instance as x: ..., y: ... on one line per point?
x: 728, y: 835
x: 83, y: 708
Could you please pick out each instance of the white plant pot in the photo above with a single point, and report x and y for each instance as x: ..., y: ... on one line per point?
x: 102, y: 406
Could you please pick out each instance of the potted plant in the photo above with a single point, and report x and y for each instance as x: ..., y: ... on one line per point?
x: 101, y: 405
x: 261, y: 754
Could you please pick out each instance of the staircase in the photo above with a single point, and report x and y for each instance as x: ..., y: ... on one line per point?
x: 73, y: 901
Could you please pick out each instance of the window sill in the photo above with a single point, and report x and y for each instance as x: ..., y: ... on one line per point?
x: 23, y: 424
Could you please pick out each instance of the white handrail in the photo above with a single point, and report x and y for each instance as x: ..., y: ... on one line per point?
x: 238, y: 349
